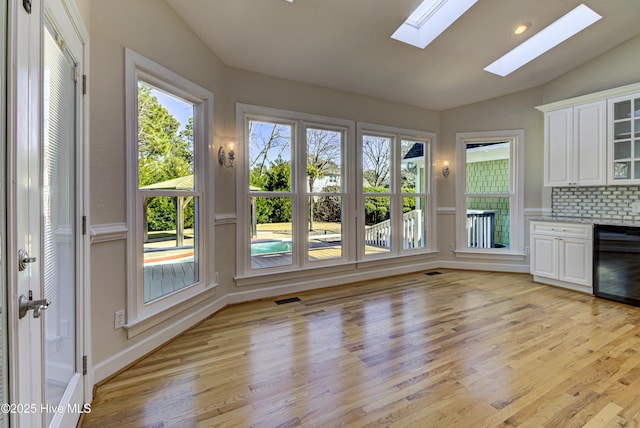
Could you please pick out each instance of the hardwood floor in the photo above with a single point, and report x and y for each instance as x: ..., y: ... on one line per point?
x: 470, y: 349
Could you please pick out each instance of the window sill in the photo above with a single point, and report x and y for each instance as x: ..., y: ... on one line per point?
x: 147, y: 321
x: 260, y: 278
x: 487, y: 254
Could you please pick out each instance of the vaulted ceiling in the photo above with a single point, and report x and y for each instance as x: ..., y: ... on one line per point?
x: 346, y: 44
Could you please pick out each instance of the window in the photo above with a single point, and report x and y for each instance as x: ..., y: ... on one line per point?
x: 395, y: 183
x: 301, y: 204
x: 489, y: 188
x: 295, y: 191
x: 168, y: 120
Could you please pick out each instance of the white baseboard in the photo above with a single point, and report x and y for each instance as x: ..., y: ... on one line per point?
x: 490, y: 267
x: 122, y: 359
x: 311, y: 284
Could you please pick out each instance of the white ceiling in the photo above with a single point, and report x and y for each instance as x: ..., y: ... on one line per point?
x: 346, y: 44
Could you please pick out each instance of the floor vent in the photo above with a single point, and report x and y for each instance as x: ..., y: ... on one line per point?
x: 433, y: 273
x: 289, y: 300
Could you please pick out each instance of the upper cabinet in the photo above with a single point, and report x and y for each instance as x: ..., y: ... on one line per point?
x: 624, y: 139
x: 575, y: 145
x: 594, y: 139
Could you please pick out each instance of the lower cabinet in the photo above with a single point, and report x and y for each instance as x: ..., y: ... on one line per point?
x: 562, y: 254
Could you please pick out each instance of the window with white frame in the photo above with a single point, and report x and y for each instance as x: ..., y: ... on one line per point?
x: 300, y: 202
x: 294, y: 190
x: 490, y: 192
x: 168, y: 124
x: 395, y: 191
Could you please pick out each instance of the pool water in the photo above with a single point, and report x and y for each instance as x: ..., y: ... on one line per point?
x: 270, y: 247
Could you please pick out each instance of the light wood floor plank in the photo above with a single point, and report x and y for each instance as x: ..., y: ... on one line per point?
x: 470, y: 349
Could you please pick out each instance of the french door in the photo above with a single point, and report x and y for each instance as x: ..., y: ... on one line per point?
x: 45, y: 211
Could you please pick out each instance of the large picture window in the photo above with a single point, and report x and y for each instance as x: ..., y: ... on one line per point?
x: 168, y: 119
x: 489, y: 189
x: 321, y: 192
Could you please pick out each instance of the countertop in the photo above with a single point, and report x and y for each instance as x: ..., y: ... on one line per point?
x: 589, y: 220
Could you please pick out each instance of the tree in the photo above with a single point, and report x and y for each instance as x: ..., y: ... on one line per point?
x: 164, y: 153
x: 323, y: 155
x: 376, y: 160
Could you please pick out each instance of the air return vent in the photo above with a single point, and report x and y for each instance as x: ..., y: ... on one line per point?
x: 289, y: 300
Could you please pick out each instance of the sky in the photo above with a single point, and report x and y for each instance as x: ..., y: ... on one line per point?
x: 180, y: 109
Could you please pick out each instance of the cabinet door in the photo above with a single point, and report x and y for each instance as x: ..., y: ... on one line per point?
x: 558, y: 141
x: 624, y: 140
x: 544, y: 256
x: 576, y: 261
x: 590, y: 149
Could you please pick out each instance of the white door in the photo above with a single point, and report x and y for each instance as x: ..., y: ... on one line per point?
x: 45, y: 218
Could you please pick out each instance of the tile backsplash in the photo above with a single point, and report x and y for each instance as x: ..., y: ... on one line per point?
x: 605, y: 202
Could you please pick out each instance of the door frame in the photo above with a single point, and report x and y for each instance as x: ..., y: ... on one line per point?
x: 24, y: 126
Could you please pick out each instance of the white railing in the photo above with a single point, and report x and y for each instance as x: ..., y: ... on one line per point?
x: 481, y: 226
x: 379, y: 234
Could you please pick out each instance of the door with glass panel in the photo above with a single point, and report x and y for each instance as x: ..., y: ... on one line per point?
x: 47, y: 221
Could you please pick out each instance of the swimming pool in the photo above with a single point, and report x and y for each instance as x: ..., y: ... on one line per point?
x: 270, y: 247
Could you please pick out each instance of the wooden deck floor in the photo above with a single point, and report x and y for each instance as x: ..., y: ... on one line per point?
x: 469, y: 349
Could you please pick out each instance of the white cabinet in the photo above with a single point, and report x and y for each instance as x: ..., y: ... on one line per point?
x: 624, y: 139
x: 575, y: 145
x: 562, y: 254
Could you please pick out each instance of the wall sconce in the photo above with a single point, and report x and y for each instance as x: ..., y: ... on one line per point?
x: 224, y: 159
x: 445, y: 169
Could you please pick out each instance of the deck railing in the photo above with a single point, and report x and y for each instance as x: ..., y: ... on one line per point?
x: 379, y: 235
x: 481, y: 226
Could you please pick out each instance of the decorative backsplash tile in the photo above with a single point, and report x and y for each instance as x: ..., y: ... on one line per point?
x: 602, y: 202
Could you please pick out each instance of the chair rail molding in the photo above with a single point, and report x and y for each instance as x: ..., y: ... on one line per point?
x: 108, y: 232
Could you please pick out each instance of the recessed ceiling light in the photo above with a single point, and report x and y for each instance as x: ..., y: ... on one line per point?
x: 572, y: 23
x: 521, y: 28
x: 429, y: 20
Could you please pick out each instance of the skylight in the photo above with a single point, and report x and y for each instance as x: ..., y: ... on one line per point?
x: 572, y: 23
x: 429, y: 20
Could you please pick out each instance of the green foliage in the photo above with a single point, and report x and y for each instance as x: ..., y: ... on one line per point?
x: 164, y: 152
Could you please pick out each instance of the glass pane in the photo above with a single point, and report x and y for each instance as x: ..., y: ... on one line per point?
x: 59, y: 219
x: 621, y: 170
x: 636, y: 169
x: 325, y: 227
x: 622, y: 110
x: 413, y: 166
x: 165, y: 140
x: 636, y: 149
x: 488, y: 168
x: 488, y: 222
x: 324, y: 160
x: 636, y: 104
x: 272, y: 232
x: 269, y: 156
x: 414, y: 232
x: 376, y: 164
x: 622, y: 130
x: 377, y: 230
x: 636, y: 128
x: 622, y: 150
x: 171, y: 254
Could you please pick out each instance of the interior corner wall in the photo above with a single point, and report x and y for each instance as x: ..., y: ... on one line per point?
x: 152, y: 29
x: 619, y: 66
x: 514, y: 111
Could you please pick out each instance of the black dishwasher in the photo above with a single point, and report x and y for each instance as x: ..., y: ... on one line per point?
x: 616, y: 263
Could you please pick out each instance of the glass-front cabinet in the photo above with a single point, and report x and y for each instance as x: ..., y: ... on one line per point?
x: 624, y: 139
